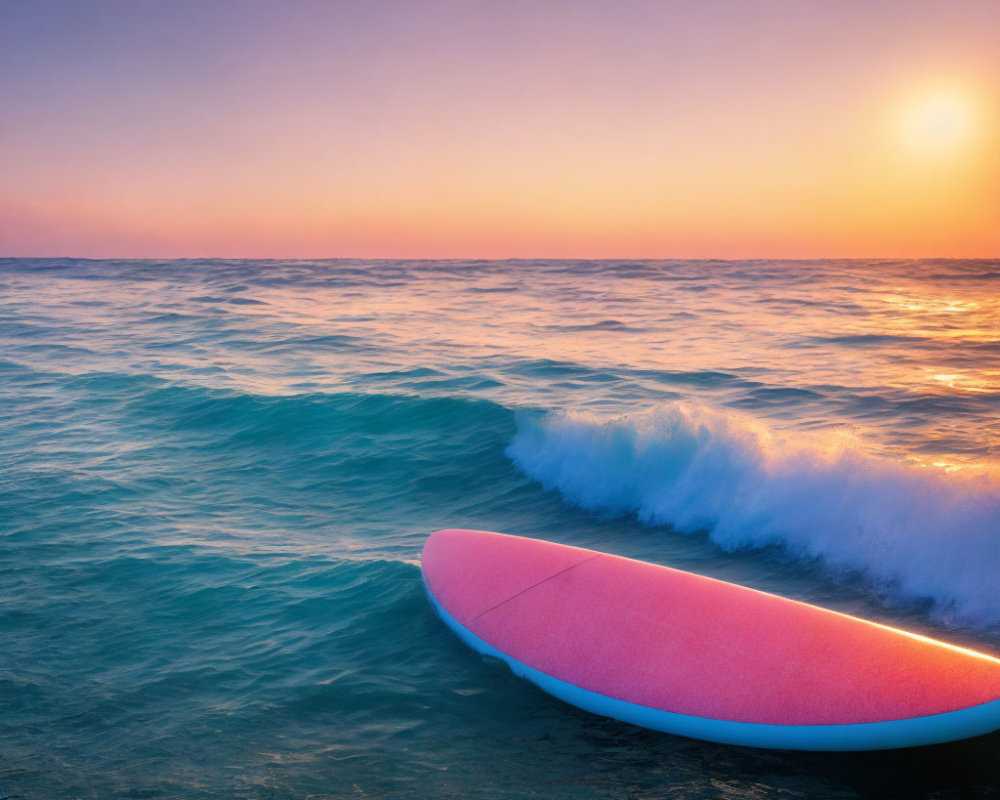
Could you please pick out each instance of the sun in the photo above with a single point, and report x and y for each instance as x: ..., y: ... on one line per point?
x: 938, y: 122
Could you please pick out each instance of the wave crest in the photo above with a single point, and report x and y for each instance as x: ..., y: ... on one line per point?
x: 915, y: 532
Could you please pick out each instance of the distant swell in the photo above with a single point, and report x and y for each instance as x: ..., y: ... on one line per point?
x: 915, y: 532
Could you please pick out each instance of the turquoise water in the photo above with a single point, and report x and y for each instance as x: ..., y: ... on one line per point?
x: 216, y: 478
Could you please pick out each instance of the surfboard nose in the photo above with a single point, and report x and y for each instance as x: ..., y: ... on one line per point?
x: 493, y: 568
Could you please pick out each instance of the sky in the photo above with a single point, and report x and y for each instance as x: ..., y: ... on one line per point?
x: 486, y: 129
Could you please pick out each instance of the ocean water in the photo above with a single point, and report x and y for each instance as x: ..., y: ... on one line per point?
x: 216, y: 478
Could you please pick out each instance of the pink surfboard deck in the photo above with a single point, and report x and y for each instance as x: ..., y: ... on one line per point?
x: 692, y: 655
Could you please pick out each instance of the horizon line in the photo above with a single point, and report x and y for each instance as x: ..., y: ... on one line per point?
x: 495, y: 258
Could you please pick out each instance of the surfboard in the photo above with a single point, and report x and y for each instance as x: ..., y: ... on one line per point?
x: 699, y: 657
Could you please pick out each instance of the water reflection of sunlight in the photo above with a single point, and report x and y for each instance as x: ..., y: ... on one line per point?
x: 936, y: 318
x: 933, y: 305
x: 967, y: 383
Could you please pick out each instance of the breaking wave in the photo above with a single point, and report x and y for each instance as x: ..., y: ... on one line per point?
x: 916, y: 532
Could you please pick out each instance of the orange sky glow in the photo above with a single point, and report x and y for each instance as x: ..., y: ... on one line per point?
x: 434, y: 129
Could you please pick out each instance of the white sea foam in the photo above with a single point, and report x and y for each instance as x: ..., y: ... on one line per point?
x: 915, y: 531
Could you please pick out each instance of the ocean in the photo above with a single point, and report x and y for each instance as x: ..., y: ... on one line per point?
x: 216, y: 477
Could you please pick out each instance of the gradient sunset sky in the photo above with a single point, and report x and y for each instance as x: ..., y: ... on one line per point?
x: 541, y: 128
